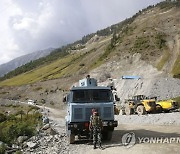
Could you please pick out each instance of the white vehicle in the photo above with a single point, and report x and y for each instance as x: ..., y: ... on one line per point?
x: 31, y: 102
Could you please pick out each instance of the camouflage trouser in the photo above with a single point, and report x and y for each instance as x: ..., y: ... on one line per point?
x: 96, y: 136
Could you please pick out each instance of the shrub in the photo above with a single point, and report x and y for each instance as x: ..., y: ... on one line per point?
x: 2, y: 149
x: 51, y: 102
x: 10, y: 129
x: 2, y: 117
x: 81, y: 64
x: 43, y: 101
x: 37, y: 88
x: 141, y: 43
x: 160, y: 41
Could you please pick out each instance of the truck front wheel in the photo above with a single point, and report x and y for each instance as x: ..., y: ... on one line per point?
x: 71, y: 138
x: 107, y: 135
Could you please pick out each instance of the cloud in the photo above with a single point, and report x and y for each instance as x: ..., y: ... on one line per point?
x: 27, y: 26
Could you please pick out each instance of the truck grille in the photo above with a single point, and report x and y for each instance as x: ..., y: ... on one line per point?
x: 107, y: 112
x: 88, y: 112
x: 78, y: 113
x: 83, y: 114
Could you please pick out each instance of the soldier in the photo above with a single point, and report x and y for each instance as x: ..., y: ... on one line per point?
x: 95, y: 128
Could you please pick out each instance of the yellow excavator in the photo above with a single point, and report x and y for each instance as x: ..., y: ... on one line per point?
x: 140, y: 104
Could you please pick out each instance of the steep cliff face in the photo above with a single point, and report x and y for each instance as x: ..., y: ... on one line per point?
x: 152, y: 52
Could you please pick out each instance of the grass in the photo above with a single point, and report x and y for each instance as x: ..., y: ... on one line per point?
x: 160, y: 40
x: 4, y: 92
x: 141, y: 43
x: 176, y: 68
x: 150, y: 45
x: 163, y: 60
x: 101, y: 59
x: 63, y: 67
x: 38, y: 88
x: 108, y: 51
x: 46, y: 72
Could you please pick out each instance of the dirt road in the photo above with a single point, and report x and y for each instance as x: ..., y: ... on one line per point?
x: 142, y: 133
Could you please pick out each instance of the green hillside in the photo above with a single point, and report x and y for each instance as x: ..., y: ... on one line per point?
x: 143, y: 33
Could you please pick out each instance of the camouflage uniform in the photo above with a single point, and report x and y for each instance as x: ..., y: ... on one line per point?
x: 96, y: 127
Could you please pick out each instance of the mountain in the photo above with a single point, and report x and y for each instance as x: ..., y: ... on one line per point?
x: 17, y: 62
x: 149, y: 37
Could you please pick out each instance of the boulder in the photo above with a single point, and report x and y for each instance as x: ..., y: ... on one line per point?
x: 53, y: 132
x: 45, y: 127
x: 21, y: 139
x: 32, y: 145
x: 45, y: 120
x: 14, y: 146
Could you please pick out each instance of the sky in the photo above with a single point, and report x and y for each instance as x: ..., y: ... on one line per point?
x: 31, y: 25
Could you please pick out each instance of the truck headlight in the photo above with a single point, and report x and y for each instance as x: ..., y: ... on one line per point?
x: 110, y: 123
x: 75, y: 125
x: 105, y: 123
x: 70, y: 126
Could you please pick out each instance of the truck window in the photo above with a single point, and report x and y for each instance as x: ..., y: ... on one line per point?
x: 101, y: 96
x: 81, y: 96
x: 94, y: 95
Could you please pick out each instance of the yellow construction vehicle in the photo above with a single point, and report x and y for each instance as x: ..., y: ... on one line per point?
x: 166, y: 105
x: 140, y: 104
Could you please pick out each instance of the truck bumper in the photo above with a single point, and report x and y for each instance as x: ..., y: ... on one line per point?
x: 110, y: 123
x: 84, y: 126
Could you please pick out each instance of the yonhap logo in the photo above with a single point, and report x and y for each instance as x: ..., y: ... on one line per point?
x: 129, y: 139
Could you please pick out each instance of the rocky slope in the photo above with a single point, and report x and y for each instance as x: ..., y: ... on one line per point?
x: 147, y: 46
x: 152, y: 82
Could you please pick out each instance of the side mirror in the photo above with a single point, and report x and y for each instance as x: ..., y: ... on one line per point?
x: 64, y: 99
x: 117, y: 98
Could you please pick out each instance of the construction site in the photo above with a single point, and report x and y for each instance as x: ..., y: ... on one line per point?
x: 128, y: 72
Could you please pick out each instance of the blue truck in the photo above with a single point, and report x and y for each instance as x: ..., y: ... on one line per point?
x: 80, y: 102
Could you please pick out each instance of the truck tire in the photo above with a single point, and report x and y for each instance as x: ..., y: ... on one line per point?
x: 71, y: 138
x: 159, y: 108
x: 107, y: 136
x: 141, y: 110
x: 128, y: 110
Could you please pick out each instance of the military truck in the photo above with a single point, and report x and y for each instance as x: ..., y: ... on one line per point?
x: 80, y: 102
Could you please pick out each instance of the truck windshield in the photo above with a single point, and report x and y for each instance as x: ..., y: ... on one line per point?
x: 95, y: 95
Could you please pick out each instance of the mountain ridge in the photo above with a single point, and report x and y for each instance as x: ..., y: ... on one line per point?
x: 150, y: 33
x: 19, y: 61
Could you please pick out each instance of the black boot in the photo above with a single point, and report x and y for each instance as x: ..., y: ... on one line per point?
x: 94, y: 146
x: 100, y: 147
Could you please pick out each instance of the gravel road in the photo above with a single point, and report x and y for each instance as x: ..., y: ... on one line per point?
x: 168, y: 119
x: 164, y: 125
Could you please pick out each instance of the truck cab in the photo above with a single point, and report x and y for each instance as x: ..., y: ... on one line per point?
x: 80, y: 102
